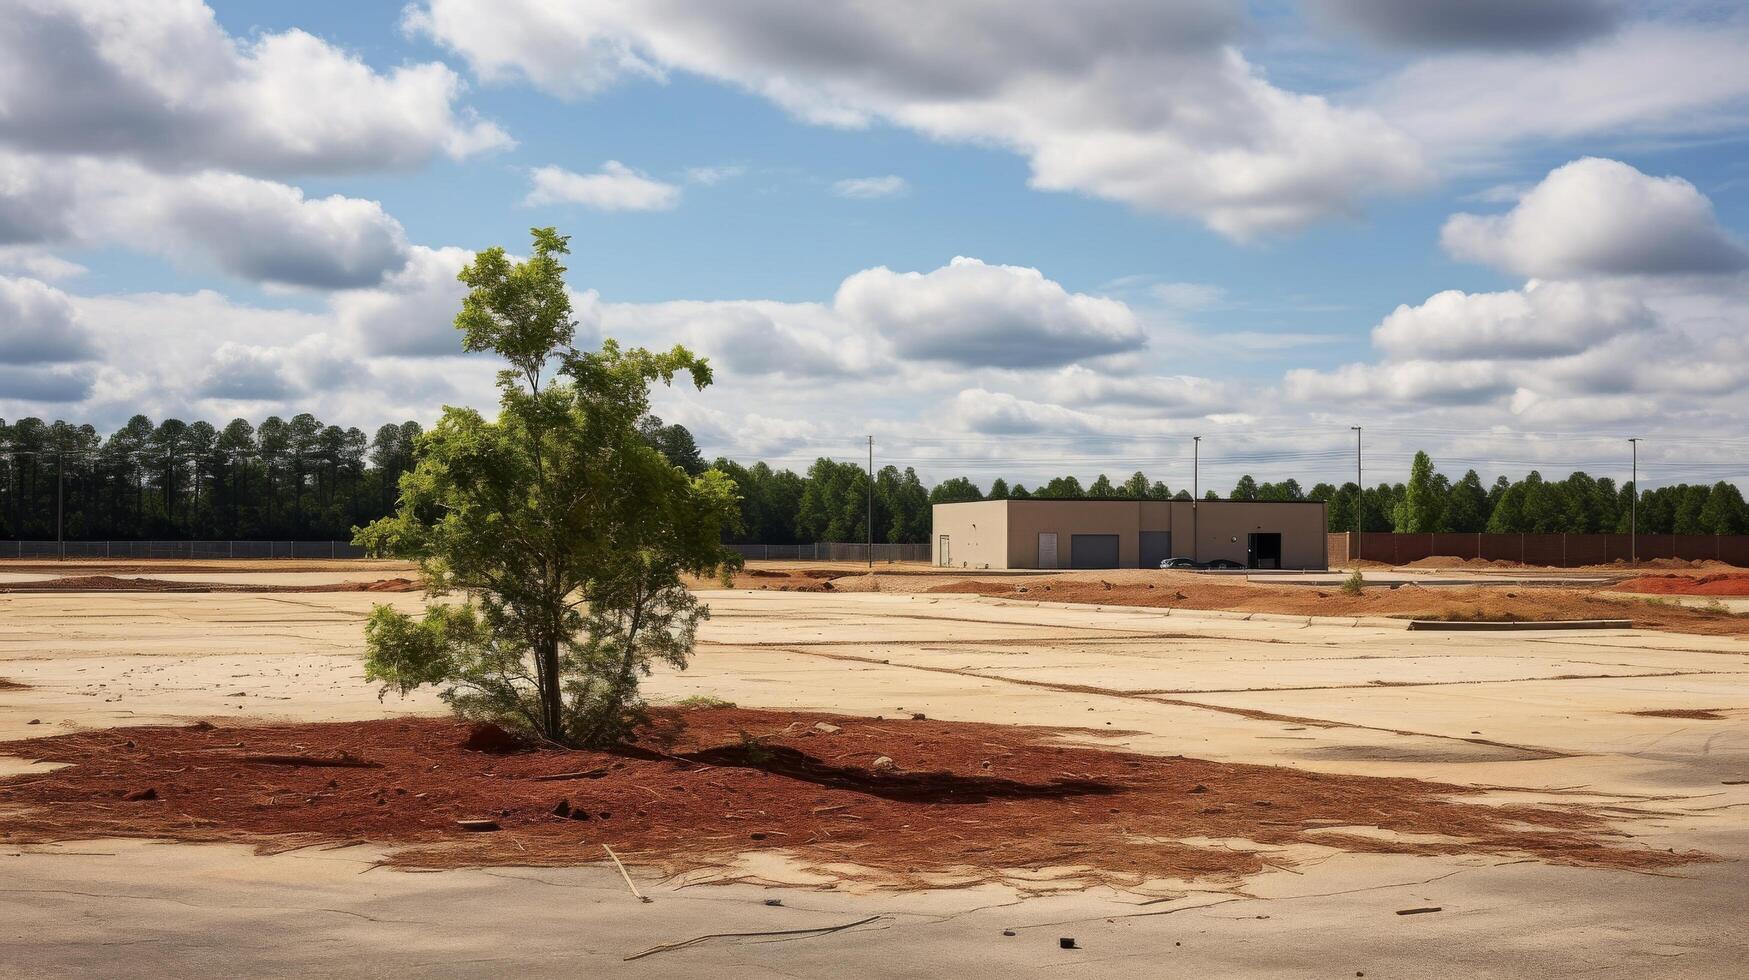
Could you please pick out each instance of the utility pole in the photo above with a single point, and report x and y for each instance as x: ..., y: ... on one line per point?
x: 871, y: 503
x: 1634, y: 507
x: 1195, y: 465
x: 60, y: 503
x: 1195, y: 499
x: 1359, y: 493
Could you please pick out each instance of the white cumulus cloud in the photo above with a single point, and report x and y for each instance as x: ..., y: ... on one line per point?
x: 162, y: 83
x: 615, y: 187
x: 1146, y: 102
x: 1596, y: 217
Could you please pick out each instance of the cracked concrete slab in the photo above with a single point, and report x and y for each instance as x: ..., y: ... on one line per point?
x: 1532, y: 719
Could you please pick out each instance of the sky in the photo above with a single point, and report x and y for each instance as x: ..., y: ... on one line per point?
x: 1016, y: 239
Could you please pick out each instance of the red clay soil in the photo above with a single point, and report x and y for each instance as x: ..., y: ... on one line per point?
x: 111, y: 583
x: 971, y: 802
x: 1481, y: 603
x: 1728, y: 584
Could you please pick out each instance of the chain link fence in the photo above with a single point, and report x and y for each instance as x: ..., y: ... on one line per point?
x: 828, y: 551
x: 180, y: 549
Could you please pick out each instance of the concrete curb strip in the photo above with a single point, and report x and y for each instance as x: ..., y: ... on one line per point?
x: 1564, y: 624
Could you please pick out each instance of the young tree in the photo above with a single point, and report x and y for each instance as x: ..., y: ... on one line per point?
x: 567, y: 532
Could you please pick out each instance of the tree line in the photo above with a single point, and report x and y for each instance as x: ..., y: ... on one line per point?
x: 173, y: 480
x: 301, y: 479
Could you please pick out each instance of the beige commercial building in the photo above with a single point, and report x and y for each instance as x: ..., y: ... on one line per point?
x: 1128, y: 533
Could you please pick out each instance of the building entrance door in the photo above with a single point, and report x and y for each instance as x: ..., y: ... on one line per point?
x: 1262, y: 551
x: 1154, y: 548
x: 943, y: 558
x: 1047, y: 549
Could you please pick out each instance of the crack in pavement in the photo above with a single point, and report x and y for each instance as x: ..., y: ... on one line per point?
x: 1532, y: 752
x: 208, y: 908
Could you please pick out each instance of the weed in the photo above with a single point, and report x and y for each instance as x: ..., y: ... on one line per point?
x: 1354, y: 583
x: 702, y: 701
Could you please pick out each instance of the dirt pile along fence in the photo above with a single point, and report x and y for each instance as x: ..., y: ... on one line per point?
x: 828, y: 551
x: 1558, y: 550
x: 180, y: 549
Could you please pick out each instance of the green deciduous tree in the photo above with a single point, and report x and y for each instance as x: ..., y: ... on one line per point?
x: 567, y: 533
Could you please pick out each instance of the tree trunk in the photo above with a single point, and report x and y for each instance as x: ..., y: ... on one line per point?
x: 551, y: 692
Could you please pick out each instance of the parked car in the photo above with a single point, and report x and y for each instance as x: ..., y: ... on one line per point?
x: 1223, y: 564
x: 1182, y: 563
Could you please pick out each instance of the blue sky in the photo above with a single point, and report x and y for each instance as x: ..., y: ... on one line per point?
x: 1188, y: 217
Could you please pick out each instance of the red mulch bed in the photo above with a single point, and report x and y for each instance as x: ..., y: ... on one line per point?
x: 973, y: 802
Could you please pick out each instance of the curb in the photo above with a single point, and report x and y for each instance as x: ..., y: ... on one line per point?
x: 1561, y: 624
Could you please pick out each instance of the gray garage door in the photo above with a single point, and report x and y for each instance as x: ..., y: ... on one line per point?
x: 1092, y: 551
x: 1156, y: 547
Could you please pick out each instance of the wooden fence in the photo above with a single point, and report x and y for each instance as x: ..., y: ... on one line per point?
x: 1557, y: 550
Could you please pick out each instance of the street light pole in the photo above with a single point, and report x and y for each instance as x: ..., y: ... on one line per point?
x: 1359, y: 493
x: 1195, y: 463
x: 1195, y: 499
x: 1634, y: 507
x: 60, y: 504
x: 871, y: 503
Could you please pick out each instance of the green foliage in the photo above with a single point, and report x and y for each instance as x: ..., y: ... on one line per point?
x: 1420, y: 508
x: 700, y: 701
x: 567, y: 533
x: 955, y: 490
x: 1354, y: 583
x: 1062, y: 486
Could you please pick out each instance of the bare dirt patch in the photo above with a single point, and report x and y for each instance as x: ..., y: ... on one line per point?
x: 1476, y: 604
x: 11, y: 685
x: 148, y: 566
x: 112, y: 583
x: 1728, y: 584
x: 899, y: 803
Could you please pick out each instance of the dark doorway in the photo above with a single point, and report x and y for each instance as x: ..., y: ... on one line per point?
x: 1092, y: 551
x: 1262, y: 551
x: 1155, y: 547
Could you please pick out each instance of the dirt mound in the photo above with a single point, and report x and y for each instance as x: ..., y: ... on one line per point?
x: 1726, y: 584
x: 112, y: 583
x: 1479, y: 603
x: 857, y: 583
x: 487, y: 737
x: 948, y: 803
x: 11, y: 685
